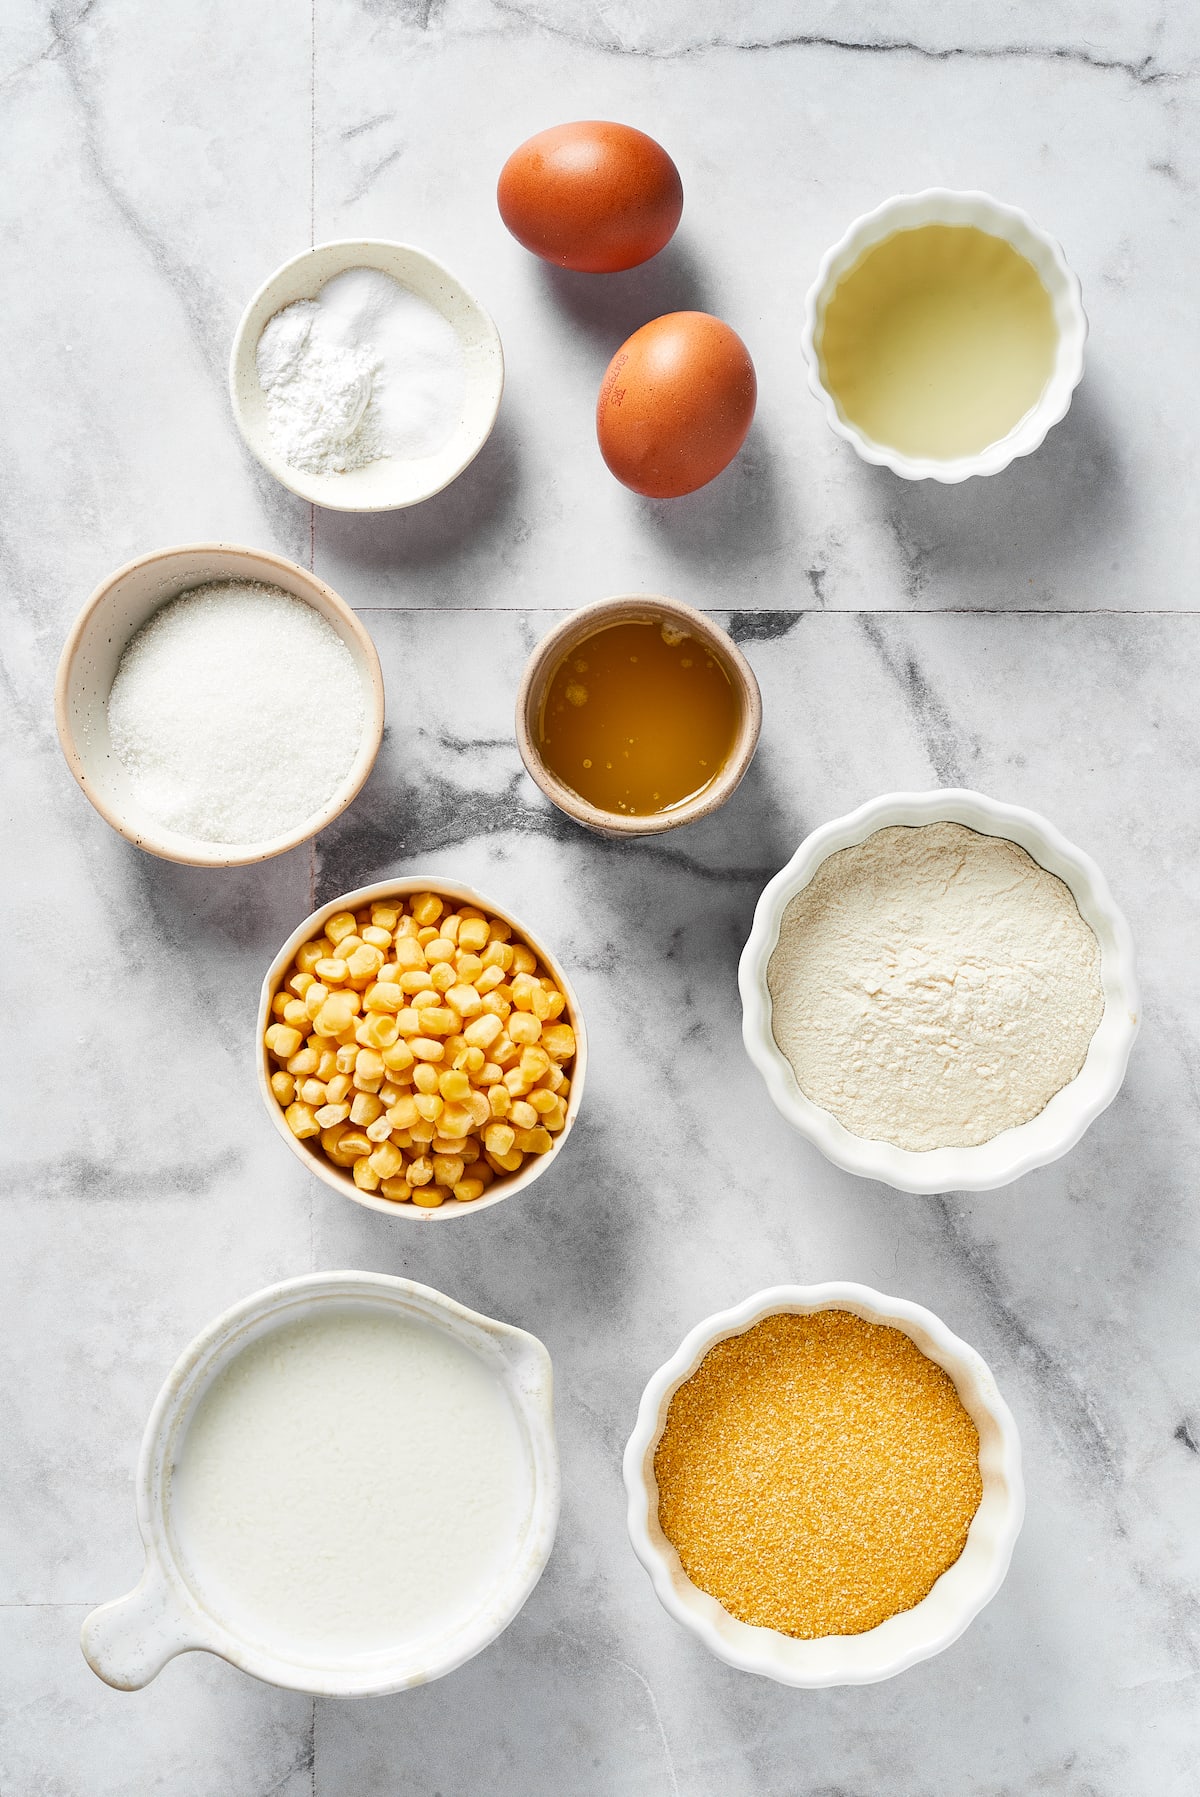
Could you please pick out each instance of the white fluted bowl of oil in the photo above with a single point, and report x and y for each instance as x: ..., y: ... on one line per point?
x: 944, y: 335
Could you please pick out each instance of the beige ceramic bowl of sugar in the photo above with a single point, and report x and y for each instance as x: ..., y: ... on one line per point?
x: 341, y: 1179
x: 1015, y: 1151
x: 390, y: 483
x: 114, y: 614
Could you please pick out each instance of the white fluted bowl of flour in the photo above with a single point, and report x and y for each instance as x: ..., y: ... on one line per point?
x: 322, y: 399
x: 348, y: 1486
x: 1014, y: 1151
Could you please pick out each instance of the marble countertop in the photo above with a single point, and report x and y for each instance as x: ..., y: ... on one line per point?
x: 1035, y: 635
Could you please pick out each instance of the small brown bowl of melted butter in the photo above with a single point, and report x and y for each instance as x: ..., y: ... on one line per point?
x: 637, y: 715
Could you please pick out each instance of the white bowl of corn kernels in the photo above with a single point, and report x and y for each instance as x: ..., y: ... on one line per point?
x: 419, y: 1050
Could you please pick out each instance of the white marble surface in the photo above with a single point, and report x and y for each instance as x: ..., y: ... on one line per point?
x: 1035, y: 635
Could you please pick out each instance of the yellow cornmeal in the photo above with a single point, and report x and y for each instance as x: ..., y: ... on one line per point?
x: 817, y: 1474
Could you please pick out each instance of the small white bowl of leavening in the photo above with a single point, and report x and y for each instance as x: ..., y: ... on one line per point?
x: 364, y: 376
x: 939, y: 991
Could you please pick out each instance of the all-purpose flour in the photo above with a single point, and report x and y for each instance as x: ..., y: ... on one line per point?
x: 932, y: 987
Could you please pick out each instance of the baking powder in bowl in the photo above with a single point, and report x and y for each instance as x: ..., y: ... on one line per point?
x: 932, y: 987
x: 353, y: 1481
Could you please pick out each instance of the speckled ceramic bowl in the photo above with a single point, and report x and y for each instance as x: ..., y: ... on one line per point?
x: 1015, y: 1151
x: 543, y: 664
x: 940, y: 206
x: 914, y: 1635
x: 128, y: 1642
x: 392, y: 482
x: 92, y: 653
x: 340, y: 1178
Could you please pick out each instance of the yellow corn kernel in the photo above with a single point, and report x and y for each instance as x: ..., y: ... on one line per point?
x: 300, y: 983
x: 463, y: 999
x: 337, y: 1014
x: 473, y: 933
x: 556, y: 1004
x: 330, y: 1115
x: 397, y: 1058
x: 342, y: 923
x: 454, y: 1086
x: 497, y: 954
x: 310, y: 953
x: 428, y: 999
x: 473, y: 1060
x: 467, y: 1190
x: 533, y: 1141
x: 523, y: 988
x: 488, y: 980
x: 311, y: 1091
x: 279, y: 1005
x: 429, y: 1197
x: 540, y: 1004
x: 479, y: 1108
x: 448, y: 1169
x: 379, y: 1131
x: 426, y: 908
x: 416, y: 979
x: 304, y: 1063
x: 499, y: 1100
x: 498, y: 1138
x: 524, y: 960
x: 555, y: 1119
x: 465, y: 1147
x: 364, y: 963
x: 430, y: 1105
x: 337, y: 1088
x: 523, y: 1027
x: 420, y: 1171
x: 482, y: 1031
x: 506, y: 1163
x: 397, y: 1190
x: 346, y: 1057
x: 407, y: 1021
x: 497, y: 1003
x: 384, y: 996
x: 315, y: 997
x: 365, y: 1109
x: 456, y: 1050
x: 405, y: 926
x: 380, y: 1030
x: 489, y: 1074
x: 410, y: 956
x: 455, y: 1120
x: 365, y: 1176
x: 294, y: 1012
x: 282, y: 1040
x: 522, y: 1115
x: 440, y: 948
x: 558, y: 1040
x: 283, y: 1085
x: 375, y: 937
x: 498, y: 930
x: 438, y: 1020
x: 423, y: 1133
x: 425, y: 1077
x: 301, y: 1122
x: 388, y: 1093
x: 448, y: 927
x: 368, y: 1065
x: 404, y: 1113
x: 355, y: 1143
x: 326, y: 1061
x: 516, y: 1082
x: 386, y: 1161
x: 442, y: 976
x: 534, y: 1062
x: 504, y: 1051
x: 331, y: 971
x: 360, y: 1033
x: 541, y: 1100
x: 468, y: 968
x: 385, y: 914
x: 331, y: 1135
x: 347, y: 946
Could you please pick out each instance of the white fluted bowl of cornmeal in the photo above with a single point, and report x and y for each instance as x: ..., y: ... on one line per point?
x: 1043, y: 1135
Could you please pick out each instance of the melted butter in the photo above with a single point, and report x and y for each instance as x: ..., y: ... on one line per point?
x: 938, y: 341
x: 638, y: 718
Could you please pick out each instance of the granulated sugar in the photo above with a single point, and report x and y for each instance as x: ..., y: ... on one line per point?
x: 237, y: 712
x: 817, y: 1474
x: 933, y: 986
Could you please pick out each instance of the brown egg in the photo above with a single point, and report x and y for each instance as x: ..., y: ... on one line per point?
x: 591, y: 196
x: 675, y: 404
